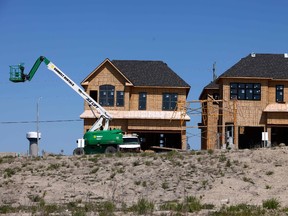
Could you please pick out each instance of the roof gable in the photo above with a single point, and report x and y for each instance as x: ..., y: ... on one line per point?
x: 271, y: 66
x: 92, y: 74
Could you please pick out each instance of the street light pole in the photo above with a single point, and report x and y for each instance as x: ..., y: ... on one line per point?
x: 37, y: 123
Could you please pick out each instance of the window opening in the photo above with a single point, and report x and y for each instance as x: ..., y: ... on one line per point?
x: 142, y: 100
x: 106, y: 97
x: 169, y: 101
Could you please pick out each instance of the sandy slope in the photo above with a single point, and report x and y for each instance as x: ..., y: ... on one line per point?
x: 218, y: 177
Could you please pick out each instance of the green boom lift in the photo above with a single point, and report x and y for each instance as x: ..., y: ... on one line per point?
x: 99, y: 138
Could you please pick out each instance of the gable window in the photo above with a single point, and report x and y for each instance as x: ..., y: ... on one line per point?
x: 245, y: 91
x: 106, y: 96
x: 279, y: 93
x: 120, y: 98
x: 142, y: 100
x: 169, y: 101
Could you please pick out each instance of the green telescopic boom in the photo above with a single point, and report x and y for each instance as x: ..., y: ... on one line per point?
x: 17, y: 72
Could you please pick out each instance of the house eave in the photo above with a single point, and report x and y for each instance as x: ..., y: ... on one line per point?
x: 144, y: 115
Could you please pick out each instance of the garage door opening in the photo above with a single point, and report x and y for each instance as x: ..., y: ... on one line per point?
x: 169, y: 140
x: 279, y: 135
x: 250, y: 137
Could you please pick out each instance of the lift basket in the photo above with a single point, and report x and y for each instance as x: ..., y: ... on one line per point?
x: 16, y: 73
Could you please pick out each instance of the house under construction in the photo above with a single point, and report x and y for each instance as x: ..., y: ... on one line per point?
x: 246, y: 106
x: 142, y: 98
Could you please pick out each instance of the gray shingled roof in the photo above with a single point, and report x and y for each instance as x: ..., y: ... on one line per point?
x: 212, y: 85
x: 273, y: 66
x: 149, y: 73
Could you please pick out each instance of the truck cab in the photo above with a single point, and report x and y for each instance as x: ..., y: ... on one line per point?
x: 131, y: 143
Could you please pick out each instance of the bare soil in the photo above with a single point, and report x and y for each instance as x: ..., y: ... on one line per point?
x: 218, y: 177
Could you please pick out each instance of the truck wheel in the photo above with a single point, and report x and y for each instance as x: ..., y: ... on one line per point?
x: 110, y: 150
x: 78, y: 151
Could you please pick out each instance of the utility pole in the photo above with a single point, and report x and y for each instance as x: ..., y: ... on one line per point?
x: 37, y: 122
x: 214, y: 71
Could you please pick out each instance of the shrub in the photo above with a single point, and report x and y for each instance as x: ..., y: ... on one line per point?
x: 53, y: 166
x: 246, y: 179
x: 9, y: 172
x: 192, y: 204
x: 210, y: 151
x: 240, y: 210
x: 172, y: 206
x: 5, y: 209
x: 93, y: 159
x: 107, y: 207
x: 136, y: 163
x: 222, y: 158
x: 271, y: 204
x: 165, y: 185
x: 269, y: 173
x: 35, y: 198
x: 228, y: 163
x: 142, y: 206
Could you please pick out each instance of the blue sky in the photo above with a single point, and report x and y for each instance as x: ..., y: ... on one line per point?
x: 77, y: 36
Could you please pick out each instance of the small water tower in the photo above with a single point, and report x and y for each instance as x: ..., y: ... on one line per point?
x: 33, y: 146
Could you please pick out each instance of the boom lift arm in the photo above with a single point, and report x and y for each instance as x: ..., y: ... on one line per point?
x: 19, y: 76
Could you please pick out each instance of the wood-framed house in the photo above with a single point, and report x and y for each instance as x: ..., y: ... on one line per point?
x: 142, y: 98
x: 246, y: 106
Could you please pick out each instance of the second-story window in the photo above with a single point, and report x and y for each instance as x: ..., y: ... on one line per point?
x: 279, y: 93
x: 120, y: 98
x: 94, y: 94
x: 142, y: 100
x: 106, y: 96
x: 169, y: 101
x: 245, y: 91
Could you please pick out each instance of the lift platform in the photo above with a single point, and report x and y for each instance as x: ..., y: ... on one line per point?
x: 17, y: 73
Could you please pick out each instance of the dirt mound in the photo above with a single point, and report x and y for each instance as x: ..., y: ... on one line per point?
x: 215, y: 178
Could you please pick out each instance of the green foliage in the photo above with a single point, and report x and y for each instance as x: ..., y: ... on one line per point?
x: 148, y: 154
x: 7, y: 159
x: 272, y: 203
x: 172, y: 155
x: 190, y: 204
x: 240, y: 210
x: 137, y: 182
x: 148, y: 163
x: 119, y: 154
x: 142, y: 206
x: 210, y: 151
x: 106, y: 208
x: 165, y: 185
x: 222, y: 158
x: 246, y: 179
x: 228, y: 163
x: 136, y: 163
x: 79, y: 212
x: 8, y: 172
x: 51, y: 208
x: 94, y: 159
x: 5, y: 209
x: 55, y: 166
x: 268, y: 187
x: 35, y: 198
x: 269, y: 173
